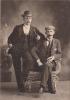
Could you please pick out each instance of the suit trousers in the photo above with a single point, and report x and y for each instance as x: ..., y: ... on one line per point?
x: 46, y: 76
x: 21, y: 67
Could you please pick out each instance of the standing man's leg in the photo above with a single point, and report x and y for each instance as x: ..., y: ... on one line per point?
x: 28, y: 64
x: 29, y: 61
x: 17, y: 67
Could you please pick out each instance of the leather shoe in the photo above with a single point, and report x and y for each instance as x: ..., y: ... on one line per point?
x: 53, y: 92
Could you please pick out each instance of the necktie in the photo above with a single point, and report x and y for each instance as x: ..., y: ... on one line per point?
x: 49, y: 43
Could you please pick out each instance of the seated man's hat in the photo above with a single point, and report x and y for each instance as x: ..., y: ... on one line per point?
x: 51, y: 27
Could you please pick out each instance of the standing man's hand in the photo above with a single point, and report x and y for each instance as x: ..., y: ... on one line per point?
x: 39, y: 62
x: 9, y: 47
x: 38, y: 37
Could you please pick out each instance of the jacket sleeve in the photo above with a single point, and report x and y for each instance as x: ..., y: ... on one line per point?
x: 38, y: 33
x: 34, y: 53
x: 12, y: 37
x: 58, y: 54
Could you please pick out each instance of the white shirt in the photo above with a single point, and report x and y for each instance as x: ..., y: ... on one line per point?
x: 26, y: 29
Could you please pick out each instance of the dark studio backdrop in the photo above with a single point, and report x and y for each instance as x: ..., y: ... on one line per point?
x: 45, y: 12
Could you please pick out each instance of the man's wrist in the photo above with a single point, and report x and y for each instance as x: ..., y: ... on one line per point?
x: 10, y: 45
x: 53, y: 57
x: 38, y: 60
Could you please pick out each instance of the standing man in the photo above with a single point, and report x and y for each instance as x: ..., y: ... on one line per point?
x: 48, y: 56
x: 20, y: 42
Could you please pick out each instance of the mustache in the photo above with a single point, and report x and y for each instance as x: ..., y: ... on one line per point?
x: 28, y: 22
x: 49, y: 35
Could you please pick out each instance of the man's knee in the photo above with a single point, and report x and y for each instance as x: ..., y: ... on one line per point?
x: 29, y: 58
x: 49, y: 64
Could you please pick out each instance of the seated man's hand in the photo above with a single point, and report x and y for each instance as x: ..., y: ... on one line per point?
x: 50, y: 59
x: 39, y: 62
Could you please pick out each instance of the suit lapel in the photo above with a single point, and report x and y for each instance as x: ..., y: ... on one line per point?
x: 30, y: 31
x: 20, y: 30
x: 53, y: 49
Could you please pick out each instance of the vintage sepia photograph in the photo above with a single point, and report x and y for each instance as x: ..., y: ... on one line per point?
x: 34, y: 49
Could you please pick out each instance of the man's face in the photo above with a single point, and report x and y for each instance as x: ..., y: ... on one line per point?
x: 50, y: 32
x: 27, y: 20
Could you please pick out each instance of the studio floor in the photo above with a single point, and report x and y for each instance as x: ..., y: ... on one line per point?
x: 8, y: 92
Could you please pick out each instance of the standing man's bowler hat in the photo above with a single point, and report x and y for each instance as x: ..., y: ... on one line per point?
x: 27, y: 13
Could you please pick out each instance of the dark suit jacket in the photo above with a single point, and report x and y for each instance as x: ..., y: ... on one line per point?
x: 39, y: 52
x: 17, y: 38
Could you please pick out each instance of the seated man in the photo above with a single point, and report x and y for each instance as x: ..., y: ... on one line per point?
x: 47, y: 54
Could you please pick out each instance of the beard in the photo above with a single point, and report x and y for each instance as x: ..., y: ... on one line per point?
x: 27, y: 23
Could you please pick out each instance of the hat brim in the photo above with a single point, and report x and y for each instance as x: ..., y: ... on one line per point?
x: 26, y: 15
